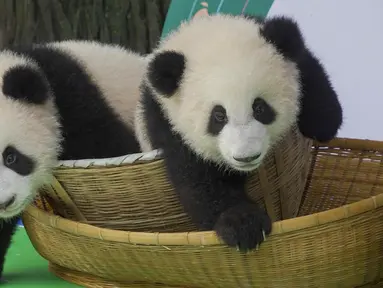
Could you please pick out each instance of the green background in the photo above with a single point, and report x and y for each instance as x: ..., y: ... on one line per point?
x: 23, y: 266
x: 180, y: 10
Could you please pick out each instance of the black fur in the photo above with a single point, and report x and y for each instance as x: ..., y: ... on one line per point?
x: 284, y: 34
x: 321, y: 113
x: 26, y: 84
x: 90, y: 128
x: 166, y: 71
x: 7, y: 229
x: 213, y: 198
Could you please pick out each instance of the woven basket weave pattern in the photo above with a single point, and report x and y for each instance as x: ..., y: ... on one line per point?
x: 139, y: 197
x: 342, y: 247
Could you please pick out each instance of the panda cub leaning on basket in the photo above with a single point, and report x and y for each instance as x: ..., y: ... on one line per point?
x: 219, y: 92
x: 64, y: 100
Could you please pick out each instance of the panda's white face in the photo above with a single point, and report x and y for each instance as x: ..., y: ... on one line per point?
x: 28, y: 141
x: 237, y: 95
x: 242, y: 135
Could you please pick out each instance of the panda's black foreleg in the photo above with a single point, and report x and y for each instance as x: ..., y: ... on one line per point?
x: 7, y: 229
x: 216, y: 200
x: 321, y: 114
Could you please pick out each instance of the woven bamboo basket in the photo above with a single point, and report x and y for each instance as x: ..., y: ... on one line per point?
x: 133, y: 192
x: 337, y: 240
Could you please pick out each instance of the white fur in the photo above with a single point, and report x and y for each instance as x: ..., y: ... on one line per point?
x: 34, y: 130
x: 31, y: 129
x: 229, y: 63
x: 117, y: 71
x: 243, y: 140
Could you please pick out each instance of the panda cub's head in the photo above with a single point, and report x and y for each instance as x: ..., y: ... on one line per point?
x: 28, y: 132
x: 229, y: 85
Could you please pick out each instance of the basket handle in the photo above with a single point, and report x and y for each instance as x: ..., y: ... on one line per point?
x: 59, y: 195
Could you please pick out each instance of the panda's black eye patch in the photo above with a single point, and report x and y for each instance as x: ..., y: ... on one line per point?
x: 17, y: 161
x: 263, y: 112
x: 217, y: 120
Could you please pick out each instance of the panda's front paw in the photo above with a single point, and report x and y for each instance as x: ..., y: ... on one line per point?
x: 244, y: 226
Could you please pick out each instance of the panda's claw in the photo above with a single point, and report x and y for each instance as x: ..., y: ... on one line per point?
x: 244, y: 226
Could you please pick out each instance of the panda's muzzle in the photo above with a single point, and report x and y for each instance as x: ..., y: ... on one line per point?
x: 247, y: 159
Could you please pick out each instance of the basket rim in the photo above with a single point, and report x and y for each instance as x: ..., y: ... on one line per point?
x: 112, y: 161
x: 199, y: 238
x: 157, y: 154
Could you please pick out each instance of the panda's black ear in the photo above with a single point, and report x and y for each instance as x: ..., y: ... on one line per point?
x: 321, y: 114
x: 25, y: 83
x: 285, y: 35
x: 165, y: 72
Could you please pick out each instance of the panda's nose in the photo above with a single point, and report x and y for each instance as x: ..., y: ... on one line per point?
x: 7, y: 203
x: 247, y: 159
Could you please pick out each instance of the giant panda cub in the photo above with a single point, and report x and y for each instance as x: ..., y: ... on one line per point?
x: 62, y: 100
x: 218, y: 94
